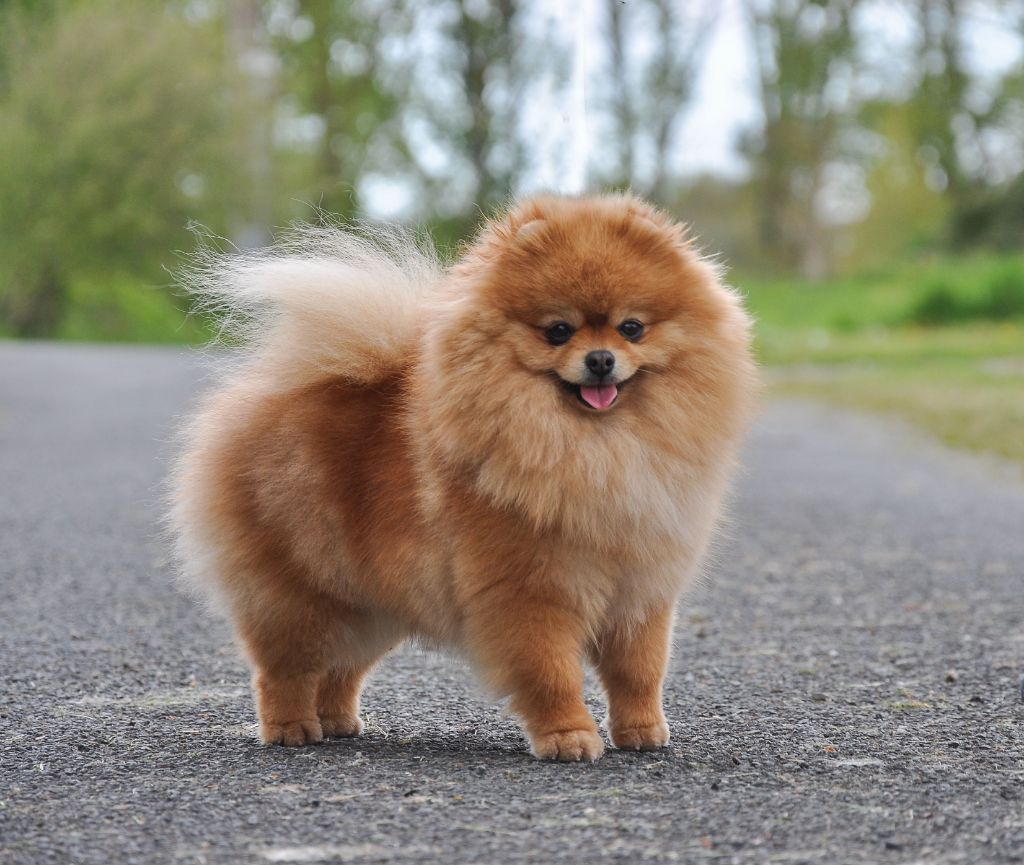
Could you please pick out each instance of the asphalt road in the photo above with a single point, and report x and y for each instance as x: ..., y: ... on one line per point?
x: 845, y: 687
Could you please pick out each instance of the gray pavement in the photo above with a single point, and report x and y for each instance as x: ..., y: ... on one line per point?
x: 844, y: 687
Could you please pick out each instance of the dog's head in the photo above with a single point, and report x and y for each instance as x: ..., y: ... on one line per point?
x: 581, y: 326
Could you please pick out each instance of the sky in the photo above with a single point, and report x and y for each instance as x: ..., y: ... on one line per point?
x: 564, y: 128
x: 726, y: 103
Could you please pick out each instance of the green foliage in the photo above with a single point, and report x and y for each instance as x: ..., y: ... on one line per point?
x: 113, y: 139
x: 992, y: 217
x: 800, y: 319
x: 937, y: 303
x: 120, y: 308
x: 994, y: 292
x: 1006, y: 293
x: 337, y: 73
x: 855, y: 342
x: 803, y: 50
x: 906, y: 217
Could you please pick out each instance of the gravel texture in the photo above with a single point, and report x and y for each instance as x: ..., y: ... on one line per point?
x: 845, y: 686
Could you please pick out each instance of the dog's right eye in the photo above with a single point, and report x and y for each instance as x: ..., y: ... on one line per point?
x: 559, y: 333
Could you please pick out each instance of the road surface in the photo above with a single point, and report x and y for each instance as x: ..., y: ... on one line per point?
x: 845, y: 685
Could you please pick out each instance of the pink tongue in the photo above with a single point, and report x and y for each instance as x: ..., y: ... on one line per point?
x: 599, y: 397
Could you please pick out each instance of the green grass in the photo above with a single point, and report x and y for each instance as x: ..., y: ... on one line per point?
x: 862, y: 343
x: 120, y: 309
x: 891, y: 346
x: 975, y: 288
x: 973, y: 404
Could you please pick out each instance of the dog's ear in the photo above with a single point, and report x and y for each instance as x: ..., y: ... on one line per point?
x: 520, y: 223
x: 527, y: 229
x: 641, y: 217
x: 526, y: 217
x: 502, y: 233
x: 638, y: 211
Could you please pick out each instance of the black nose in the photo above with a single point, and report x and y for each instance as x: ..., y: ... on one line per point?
x: 600, y: 363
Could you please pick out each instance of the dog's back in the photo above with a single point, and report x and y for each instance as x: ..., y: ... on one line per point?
x: 330, y: 320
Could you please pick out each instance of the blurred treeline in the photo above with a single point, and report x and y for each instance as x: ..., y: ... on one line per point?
x: 123, y: 122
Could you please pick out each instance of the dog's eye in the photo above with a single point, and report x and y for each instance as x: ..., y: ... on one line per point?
x: 631, y: 329
x: 559, y: 333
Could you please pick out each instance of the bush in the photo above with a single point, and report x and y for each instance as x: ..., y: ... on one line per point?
x: 123, y: 308
x: 1005, y: 298
x: 992, y: 293
x: 938, y: 303
x: 106, y: 109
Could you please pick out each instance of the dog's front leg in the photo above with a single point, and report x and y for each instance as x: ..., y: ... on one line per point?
x: 632, y: 660
x: 530, y: 647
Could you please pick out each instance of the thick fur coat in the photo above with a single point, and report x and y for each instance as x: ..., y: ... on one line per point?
x: 522, y: 458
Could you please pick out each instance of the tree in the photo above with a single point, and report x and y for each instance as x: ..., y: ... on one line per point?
x: 336, y: 71
x: 804, y: 51
x: 940, y: 94
x: 252, y: 76
x: 649, y: 92
x: 906, y: 215
x: 955, y: 122
x: 461, y: 126
x: 113, y: 138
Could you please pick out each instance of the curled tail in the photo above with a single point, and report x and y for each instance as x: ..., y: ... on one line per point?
x: 323, y: 301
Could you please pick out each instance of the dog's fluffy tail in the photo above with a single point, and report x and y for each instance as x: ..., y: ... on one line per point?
x: 323, y: 301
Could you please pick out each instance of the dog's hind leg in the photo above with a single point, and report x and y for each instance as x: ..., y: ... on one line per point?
x: 367, y: 641
x: 286, y: 704
x: 292, y: 642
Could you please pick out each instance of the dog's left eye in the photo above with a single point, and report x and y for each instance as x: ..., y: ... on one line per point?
x: 631, y: 329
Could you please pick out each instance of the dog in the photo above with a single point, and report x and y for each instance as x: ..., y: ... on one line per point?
x: 521, y: 457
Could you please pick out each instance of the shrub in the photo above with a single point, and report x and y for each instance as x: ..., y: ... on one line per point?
x: 993, y: 291
x: 1005, y: 293
x: 938, y: 303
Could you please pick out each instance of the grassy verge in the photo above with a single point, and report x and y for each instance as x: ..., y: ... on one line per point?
x: 861, y: 344
x: 970, y: 403
x: 948, y: 291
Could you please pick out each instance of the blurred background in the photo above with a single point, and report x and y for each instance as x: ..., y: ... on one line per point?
x: 859, y: 164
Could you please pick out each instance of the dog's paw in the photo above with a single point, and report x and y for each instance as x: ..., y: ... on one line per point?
x: 292, y: 733
x: 568, y: 746
x: 342, y: 726
x: 646, y: 738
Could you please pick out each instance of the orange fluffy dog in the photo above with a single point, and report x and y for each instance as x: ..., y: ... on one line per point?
x: 522, y: 458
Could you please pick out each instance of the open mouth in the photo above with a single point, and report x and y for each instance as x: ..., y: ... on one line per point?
x: 595, y: 397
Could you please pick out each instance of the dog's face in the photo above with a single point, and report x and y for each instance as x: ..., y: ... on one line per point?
x: 588, y: 346
x: 590, y: 302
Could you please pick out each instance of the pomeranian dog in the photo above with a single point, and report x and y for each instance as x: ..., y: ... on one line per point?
x: 522, y: 458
